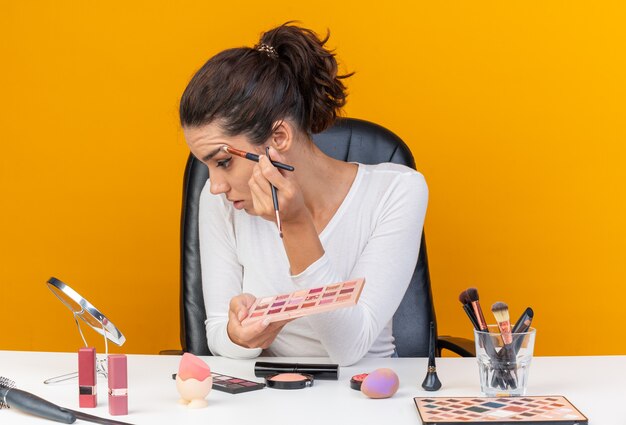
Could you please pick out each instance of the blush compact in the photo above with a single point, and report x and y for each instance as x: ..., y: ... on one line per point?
x: 357, y: 380
x: 289, y: 381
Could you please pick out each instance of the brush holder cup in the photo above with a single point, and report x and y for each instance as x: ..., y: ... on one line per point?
x: 503, y: 366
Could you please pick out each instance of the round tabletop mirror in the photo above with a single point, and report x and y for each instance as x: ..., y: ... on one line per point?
x: 84, y: 310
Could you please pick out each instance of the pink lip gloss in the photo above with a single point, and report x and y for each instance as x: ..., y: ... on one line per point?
x: 118, y: 384
x: 87, y: 389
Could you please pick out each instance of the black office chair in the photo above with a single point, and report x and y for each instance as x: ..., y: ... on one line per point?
x: 349, y: 140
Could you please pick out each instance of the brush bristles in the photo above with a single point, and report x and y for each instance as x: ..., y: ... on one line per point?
x: 5, y: 383
x: 464, y: 298
x: 472, y: 293
x: 500, y: 311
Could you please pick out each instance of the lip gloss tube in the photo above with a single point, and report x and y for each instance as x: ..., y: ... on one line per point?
x: 118, y: 384
x: 87, y: 389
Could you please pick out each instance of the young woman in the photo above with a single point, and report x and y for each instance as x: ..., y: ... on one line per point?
x: 339, y: 220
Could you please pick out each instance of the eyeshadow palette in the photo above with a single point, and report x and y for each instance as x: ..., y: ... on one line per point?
x: 305, y: 302
x: 532, y: 410
x: 232, y: 385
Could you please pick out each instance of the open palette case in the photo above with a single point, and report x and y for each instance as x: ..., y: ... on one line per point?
x: 531, y: 410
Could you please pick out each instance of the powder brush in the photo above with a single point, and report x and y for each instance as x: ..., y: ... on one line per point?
x: 464, y: 299
x: 501, y: 312
x: 472, y: 293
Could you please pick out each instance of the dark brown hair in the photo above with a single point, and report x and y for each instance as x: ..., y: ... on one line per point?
x: 289, y: 74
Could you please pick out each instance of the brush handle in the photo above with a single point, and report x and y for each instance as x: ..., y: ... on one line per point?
x: 272, y: 187
x: 470, y: 315
x: 96, y: 419
x: 523, y: 325
x: 254, y: 157
x: 485, y: 339
x: 432, y: 382
x: 500, y: 377
x: 432, y: 346
x: 30, y: 403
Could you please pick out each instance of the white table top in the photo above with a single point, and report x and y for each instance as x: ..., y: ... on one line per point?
x: 596, y: 385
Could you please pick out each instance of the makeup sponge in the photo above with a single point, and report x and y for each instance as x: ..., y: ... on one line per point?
x: 193, y: 382
x: 193, y: 367
x: 381, y: 383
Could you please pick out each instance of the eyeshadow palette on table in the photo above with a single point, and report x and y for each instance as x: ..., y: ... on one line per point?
x: 231, y: 384
x: 305, y: 302
x: 535, y: 410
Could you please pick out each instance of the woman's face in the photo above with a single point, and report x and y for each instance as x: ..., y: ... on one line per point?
x: 228, y: 174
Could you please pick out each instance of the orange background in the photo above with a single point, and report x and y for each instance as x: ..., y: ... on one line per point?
x: 515, y: 112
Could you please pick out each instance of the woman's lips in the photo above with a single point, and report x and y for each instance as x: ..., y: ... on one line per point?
x: 238, y: 204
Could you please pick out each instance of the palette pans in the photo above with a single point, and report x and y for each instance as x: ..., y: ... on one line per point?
x: 503, y: 410
x: 305, y: 302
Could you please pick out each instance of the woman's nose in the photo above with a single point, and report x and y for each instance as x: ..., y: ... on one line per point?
x: 218, y: 186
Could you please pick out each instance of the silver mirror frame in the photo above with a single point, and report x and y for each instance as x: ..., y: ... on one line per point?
x: 107, y: 329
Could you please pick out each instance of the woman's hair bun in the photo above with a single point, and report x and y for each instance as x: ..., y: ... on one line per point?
x: 315, y: 70
x: 288, y: 74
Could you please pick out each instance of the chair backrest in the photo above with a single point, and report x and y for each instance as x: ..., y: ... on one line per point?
x: 349, y: 140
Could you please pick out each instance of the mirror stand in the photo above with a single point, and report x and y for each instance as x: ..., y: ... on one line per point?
x: 83, y: 310
x: 101, y: 368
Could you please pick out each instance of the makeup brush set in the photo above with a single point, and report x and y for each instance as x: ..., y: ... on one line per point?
x: 502, y: 365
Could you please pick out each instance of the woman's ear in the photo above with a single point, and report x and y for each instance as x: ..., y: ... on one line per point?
x: 283, y: 136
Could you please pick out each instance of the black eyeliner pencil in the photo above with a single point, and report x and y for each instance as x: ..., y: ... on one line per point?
x: 255, y: 158
x: 275, y: 198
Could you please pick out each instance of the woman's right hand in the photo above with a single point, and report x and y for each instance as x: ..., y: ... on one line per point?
x: 258, y: 335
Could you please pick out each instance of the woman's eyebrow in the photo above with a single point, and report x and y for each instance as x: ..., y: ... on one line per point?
x: 212, y: 154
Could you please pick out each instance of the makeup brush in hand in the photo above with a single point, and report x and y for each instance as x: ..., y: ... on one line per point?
x: 30, y: 403
x: 275, y: 199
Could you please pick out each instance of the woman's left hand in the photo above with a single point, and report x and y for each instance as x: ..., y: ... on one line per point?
x: 290, y: 200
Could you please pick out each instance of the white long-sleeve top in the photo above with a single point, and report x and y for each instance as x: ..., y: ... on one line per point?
x: 374, y: 234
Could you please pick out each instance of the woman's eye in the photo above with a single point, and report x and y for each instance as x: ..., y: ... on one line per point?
x: 223, y: 162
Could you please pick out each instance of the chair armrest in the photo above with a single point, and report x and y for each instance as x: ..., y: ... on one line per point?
x: 462, y: 346
x: 171, y: 352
